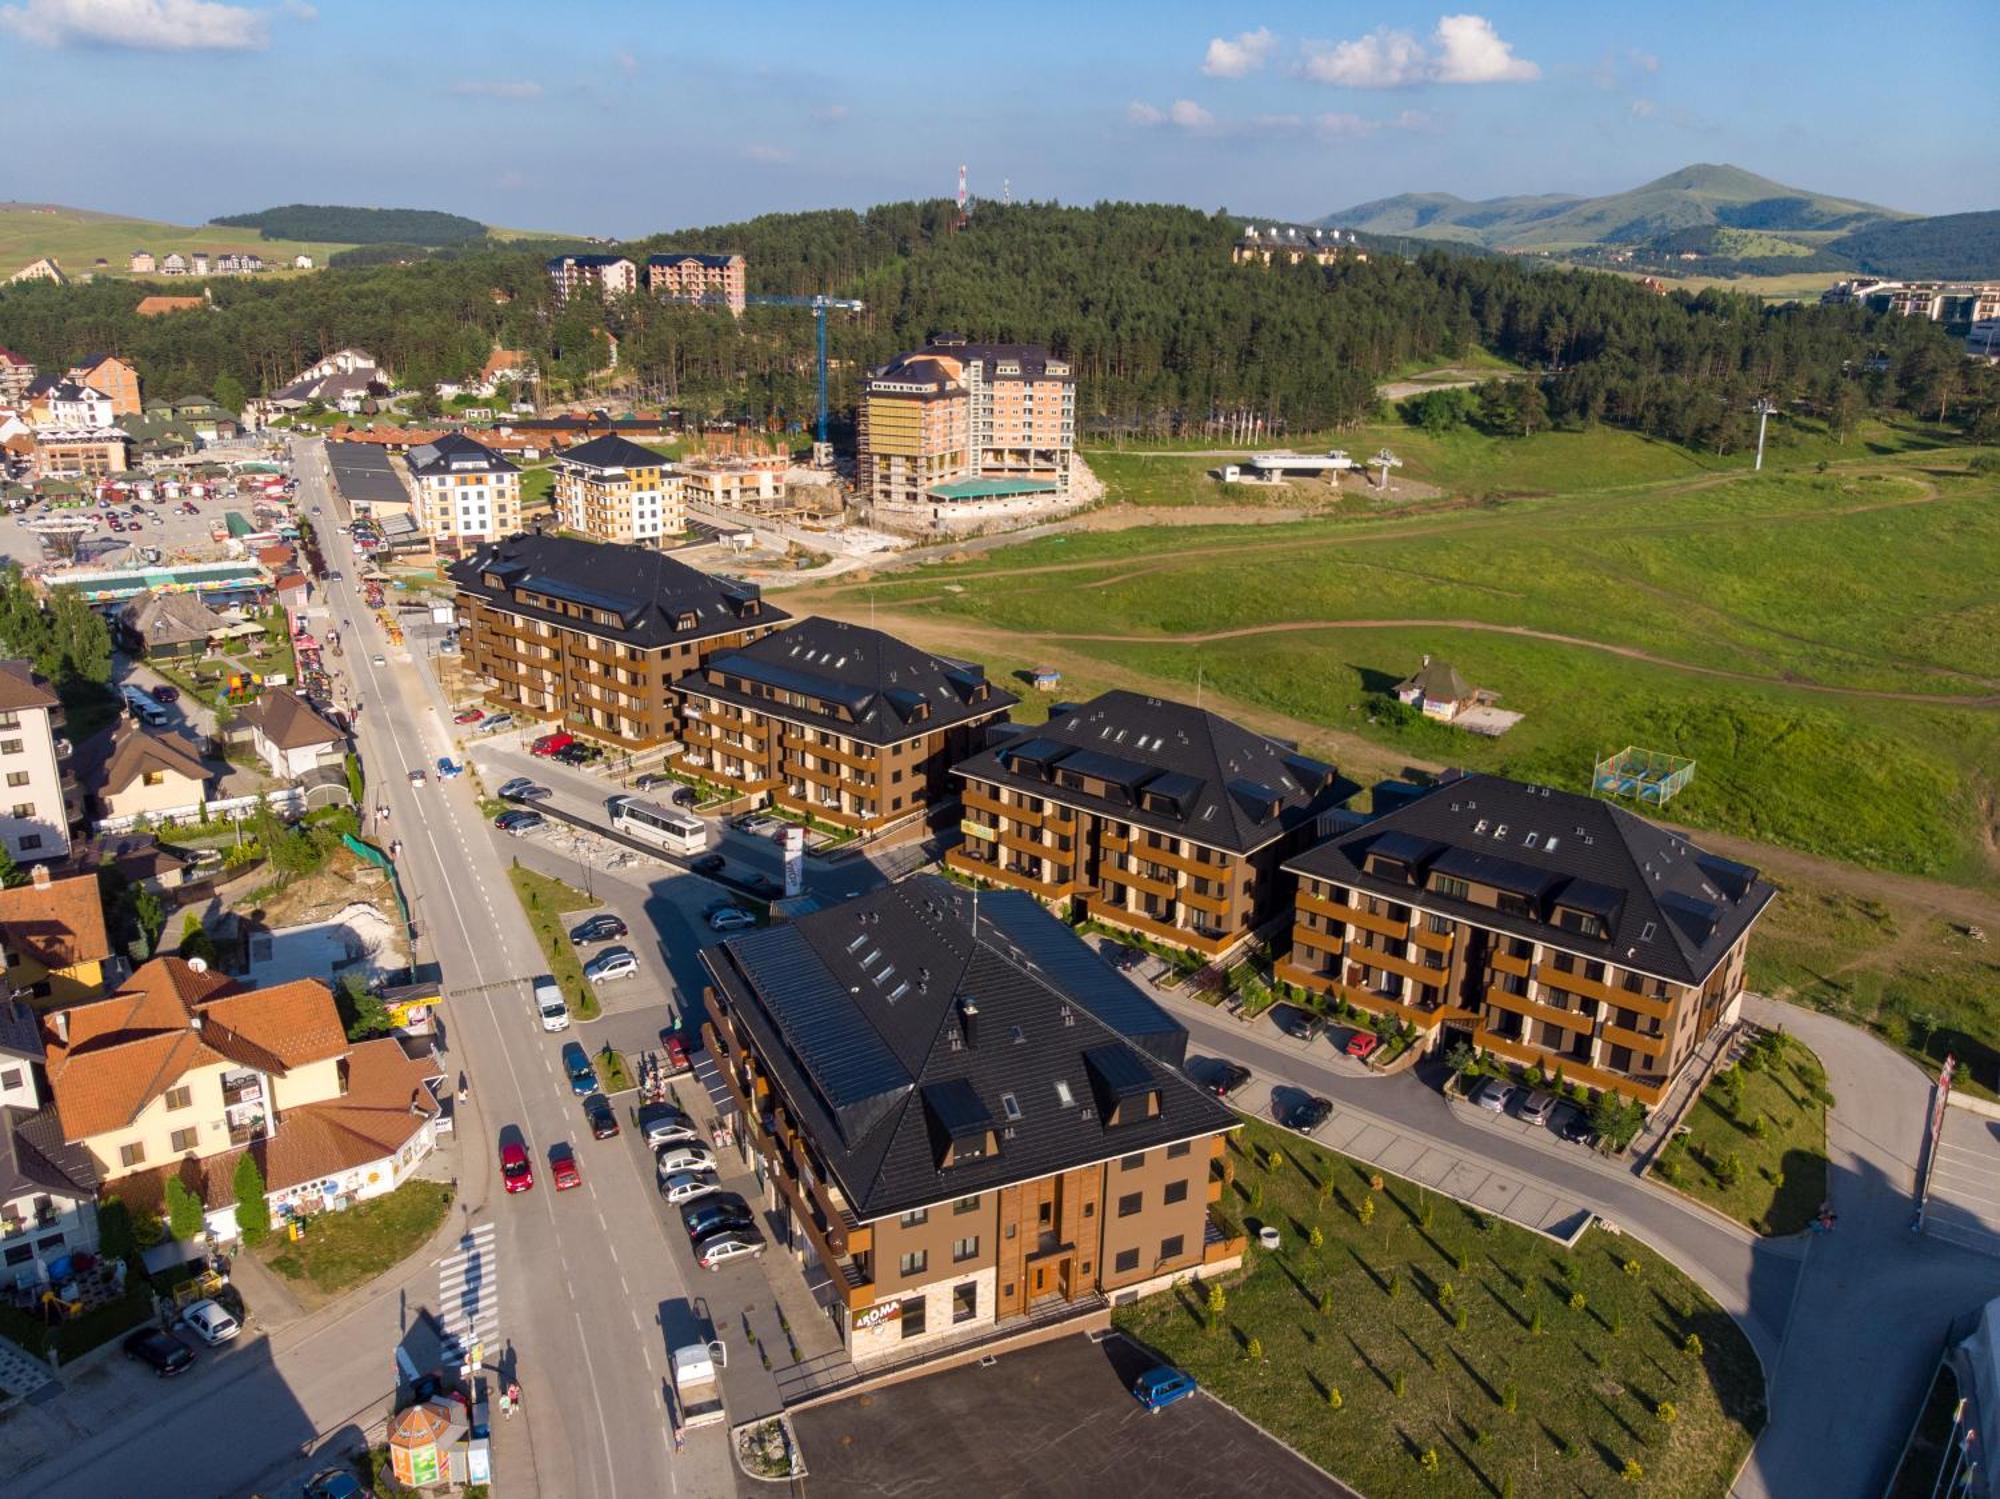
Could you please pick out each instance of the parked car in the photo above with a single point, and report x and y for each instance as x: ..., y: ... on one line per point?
x: 1301, y: 1025
x: 708, y: 864
x: 1495, y: 1095
x: 599, y: 928
x: 574, y: 753
x: 764, y: 885
x: 687, y: 1156
x: 211, y: 1323
x: 719, y: 1249
x: 731, y: 919
x: 612, y: 963
x: 335, y: 1483
x: 549, y: 744
x: 1229, y: 1077
x: 1310, y: 1115
x: 602, y: 1118
x: 1161, y: 1386
x: 165, y: 1355
x: 519, y: 823
x: 563, y: 1166
x: 166, y: 694
x: 663, y: 1124
x: 685, y: 1186
x: 1538, y: 1106
x: 718, y: 1211
x: 1361, y: 1045
x: 517, y: 1172
x: 650, y: 780
x: 677, y: 1054
x: 576, y: 1067
x: 468, y: 715
x: 493, y: 723
x: 509, y: 790
x: 1577, y: 1128
x: 532, y: 792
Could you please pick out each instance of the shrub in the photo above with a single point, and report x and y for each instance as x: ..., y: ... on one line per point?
x: 1729, y: 1170
x: 1429, y: 1462
x: 1399, y: 1382
x: 1274, y: 1159
x: 1634, y: 1269
x: 184, y: 1213
x: 1577, y: 1301
x: 1667, y: 1413
x: 1334, y: 1399
x: 1326, y: 1302
x: 1366, y: 1212
x: 1394, y: 1288
x: 1446, y: 1294
x: 1315, y: 1238
x: 1692, y: 1346
x: 1254, y: 1349
x: 1375, y: 1183
x: 1510, y: 1398
x: 1535, y: 1327
x: 1632, y: 1472
x: 1461, y: 1318
x: 1218, y: 1299
x: 1617, y: 1325
x: 1464, y: 1261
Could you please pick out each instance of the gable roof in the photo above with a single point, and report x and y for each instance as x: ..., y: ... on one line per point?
x: 136, y: 751
x: 363, y: 474
x: 891, y: 1024
x: 34, y: 1157
x: 21, y: 686
x: 455, y: 453
x: 612, y: 451
x: 1671, y: 909
x: 58, y: 925
x: 585, y: 262
x: 1167, y: 766
x: 159, y: 306
x: 169, y: 618
x: 288, y: 721
x: 1439, y: 682
x: 890, y: 689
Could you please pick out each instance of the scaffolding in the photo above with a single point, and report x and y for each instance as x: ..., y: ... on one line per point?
x: 1651, y: 777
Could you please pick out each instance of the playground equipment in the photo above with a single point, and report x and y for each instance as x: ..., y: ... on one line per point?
x: 1650, y: 777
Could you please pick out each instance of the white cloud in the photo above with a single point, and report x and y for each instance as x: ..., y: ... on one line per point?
x: 770, y: 155
x: 141, y: 25
x: 1189, y: 115
x: 1249, y: 52
x: 1344, y: 127
x: 299, y: 10
x: 1641, y: 108
x: 1276, y: 124
x: 512, y: 182
x: 1141, y: 113
x: 1645, y: 62
x: 1463, y: 49
x: 1415, y: 119
x: 498, y: 88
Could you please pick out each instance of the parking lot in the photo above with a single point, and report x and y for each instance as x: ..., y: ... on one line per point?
x: 174, y: 534
x: 1056, y: 1421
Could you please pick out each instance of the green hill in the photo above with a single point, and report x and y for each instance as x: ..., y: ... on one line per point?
x: 359, y: 226
x: 1955, y: 245
x: 78, y: 237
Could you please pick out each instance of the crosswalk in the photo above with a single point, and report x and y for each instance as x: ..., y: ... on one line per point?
x: 469, y: 1294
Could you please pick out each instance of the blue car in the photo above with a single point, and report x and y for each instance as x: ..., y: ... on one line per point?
x: 576, y: 1064
x: 448, y: 769
x: 1160, y: 1387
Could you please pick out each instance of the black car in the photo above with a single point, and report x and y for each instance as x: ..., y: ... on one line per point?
x: 708, y: 864
x: 166, y: 1356
x: 686, y: 796
x: 1229, y: 1076
x: 723, y: 1210
x: 1576, y: 1128
x: 599, y: 928
x: 1301, y: 1025
x: 764, y: 885
x: 1310, y: 1115
x: 166, y: 694
x: 603, y: 1118
x: 572, y: 753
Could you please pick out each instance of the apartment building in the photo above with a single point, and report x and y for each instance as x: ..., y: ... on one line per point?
x: 1292, y: 244
x: 596, y: 636
x: 1160, y: 818
x: 48, y: 1191
x: 611, y: 489
x: 602, y: 276
x: 142, y: 263
x: 844, y: 723
x: 72, y: 404
x: 41, y: 800
x: 467, y: 494
x: 961, y: 420
x: 964, y: 1113
x: 717, y: 280
x: 117, y: 378
x: 1956, y: 303
x: 81, y: 452
x: 16, y: 375
x: 1551, y: 929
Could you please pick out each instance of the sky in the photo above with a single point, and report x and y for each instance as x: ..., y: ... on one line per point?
x: 622, y: 119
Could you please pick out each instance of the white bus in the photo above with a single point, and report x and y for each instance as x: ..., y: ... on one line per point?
x: 670, y: 828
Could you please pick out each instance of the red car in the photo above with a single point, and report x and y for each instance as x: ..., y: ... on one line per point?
x: 677, y: 1055
x: 550, y: 744
x: 563, y: 1163
x: 470, y: 715
x: 1362, y: 1044
x: 516, y: 1170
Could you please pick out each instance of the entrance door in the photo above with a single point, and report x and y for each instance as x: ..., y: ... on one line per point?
x: 1038, y: 1283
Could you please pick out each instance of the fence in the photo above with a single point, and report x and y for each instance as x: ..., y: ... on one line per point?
x: 287, y: 800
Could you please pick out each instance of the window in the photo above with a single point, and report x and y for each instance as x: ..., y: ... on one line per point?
x: 1127, y: 1260
x: 914, y: 1263
x: 30, y: 840
x: 10, y: 1079
x: 179, y: 1098
x: 17, y: 778
x: 131, y: 1155
x: 1176, y: 1192
x: 10, y: 746
x: 184, y: 1140
x: 1132, y: 1162
x: 1128, y: 1205
x: 964, y: 1249
x: 915, y: 1216
x: 1178, y: 1149
x: 965, y: 1301
x: 913, y: 1317
x: 1449, y: 885
x: 1090, y: 1210
x: 966, y: 1204
x: 20, y: 1254
x: 1173, y: 1248
x: 1063, y: 1095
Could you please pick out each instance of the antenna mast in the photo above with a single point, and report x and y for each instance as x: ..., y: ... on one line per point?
x: 964, y: 200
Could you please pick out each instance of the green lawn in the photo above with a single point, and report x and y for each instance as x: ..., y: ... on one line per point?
x: 1755, y: 1146
x: 1352, y: 1353
x: 546, y: 901
x: 341, y: 1250
x: 72, y: 1340
x: 613, y: 1076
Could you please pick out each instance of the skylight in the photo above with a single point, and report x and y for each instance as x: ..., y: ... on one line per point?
x: 1063, y: 1095
x: 1010, y: 1106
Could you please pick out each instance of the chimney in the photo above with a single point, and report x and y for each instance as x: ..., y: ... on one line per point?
x: 40, y: 875
x: 968, y: 1019
x: 61, y: 1020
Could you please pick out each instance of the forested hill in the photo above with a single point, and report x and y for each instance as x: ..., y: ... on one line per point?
x: 358, y: 226
x: 1143, y: 299
x: 1952, y: 246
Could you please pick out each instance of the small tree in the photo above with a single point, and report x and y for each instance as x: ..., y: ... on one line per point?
x: 1326, y: 1302
x: 1399, y: 1382
x: 1429, y: 1462
x: 1316, y: 1238
x: 1446, y: 1294
x: 253, y: 1210
x: 1218, y: 1303
x: 1510, y: 1398
x: 115, y: 1238
x: 1334, y: 1399
x: 1632, y: 1472
x: 1254, y: 1349
x: 1394, y: 1288
x: 184, y: 1214
x: 1577, y: 1301
x: 1461, y: 1317
x: 195, y: 941
x: 1366, y: 1212
x: 1692, y: 1346
x: 1535, y: 1327
x: 1667, y: 1413
x: 1634, y: 1269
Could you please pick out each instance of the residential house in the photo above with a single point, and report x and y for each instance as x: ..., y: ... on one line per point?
x: 53, y: 934
x: 965, y: 1113
x: 175, y: 264
x: 238, y: 263
x: 611, y: 489
x: 183, y: 1070
x: 596, y: 636
x: 48, y: 1191
x: 290, y: 738
x: 1291, y: 244
x: 198, y: 263
x: 343, y: 379
x: 161, y: 306
x: 1552, y: 930
x: 73, y: 405
x: 1437, y: 691
x: 140, y: 772
x: 157, y: 625
x: 504, y: 368
x: 467, y: 494
x: 302, y: 262
x: 843, y: 723
x: 605, y: 276
x: 717, y: 280
x: 41, y: 800
x: 1161, y: 818
x: 143, y: 263
x: 45, y: 269
x: 16, y: 375
x: 116, y: 377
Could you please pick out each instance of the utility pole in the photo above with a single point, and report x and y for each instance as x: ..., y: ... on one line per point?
x: 1764, y: 407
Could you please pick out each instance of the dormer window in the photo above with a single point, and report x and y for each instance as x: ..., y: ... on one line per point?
x: 686, y: 620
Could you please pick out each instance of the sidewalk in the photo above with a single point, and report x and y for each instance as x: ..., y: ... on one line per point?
x: 1720, y: 1047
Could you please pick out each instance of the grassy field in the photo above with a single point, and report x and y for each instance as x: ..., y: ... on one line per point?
x: 341, y: 1250
x: 1755, y: 1146
x: 1792, y: 286
x: 1433, y: 1350
x: 76, y: 237
x: 546, y: 901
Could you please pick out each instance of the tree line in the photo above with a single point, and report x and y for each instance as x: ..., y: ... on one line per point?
x: 358, y: 226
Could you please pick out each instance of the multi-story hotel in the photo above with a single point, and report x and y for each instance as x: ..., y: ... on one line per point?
x: 1956, y: 303
x: 595, y: 636
x: 1545, y: 927
x: 611, y: 489
x: 604, y: 276
x: 714, y: 279
x: 965, y: 421
x: 1161, y: 818
x: 467, y: 494
x: 845, y: 723
x: 964, y: 1113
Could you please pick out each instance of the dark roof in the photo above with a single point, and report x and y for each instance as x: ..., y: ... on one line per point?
x: 891, y: 689
x: 1439, y: 681
x: 363, y: 474
x: 1672, y: 910
x: 455, y: 453
x: 681, y: 257
x: 650, y: 592
x: 288, y: 720
x: 584, y: 262
x: 611, y: 451
x: 1171, y: 767
x: 21, y: 686
x: 891, y: 1032
x: 34, y: 1157
x: 1032, y: 360
x: 20, y: 1031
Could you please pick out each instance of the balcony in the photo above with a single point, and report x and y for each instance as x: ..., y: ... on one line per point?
x: 1534, y: 1009
x: 242, y: 1090
x: 1368, y: 921
x: 1639, y: 1041
x: 1319, y: 905
x: 249, y: 1131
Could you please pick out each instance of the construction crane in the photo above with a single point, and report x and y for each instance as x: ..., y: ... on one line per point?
x: 819, y: 303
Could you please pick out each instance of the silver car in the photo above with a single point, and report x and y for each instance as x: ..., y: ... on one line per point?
x: 1538, y: 1107
x: 1495, y: 1095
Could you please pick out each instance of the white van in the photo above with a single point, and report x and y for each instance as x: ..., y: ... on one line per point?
x: 549, y: 1005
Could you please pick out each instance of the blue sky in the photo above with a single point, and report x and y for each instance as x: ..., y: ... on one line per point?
x: 596, y: 116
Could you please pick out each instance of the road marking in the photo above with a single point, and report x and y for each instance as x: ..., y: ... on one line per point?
x: 597, y: 1402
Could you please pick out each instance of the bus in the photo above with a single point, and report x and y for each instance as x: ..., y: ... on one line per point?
x: 669, y: 828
